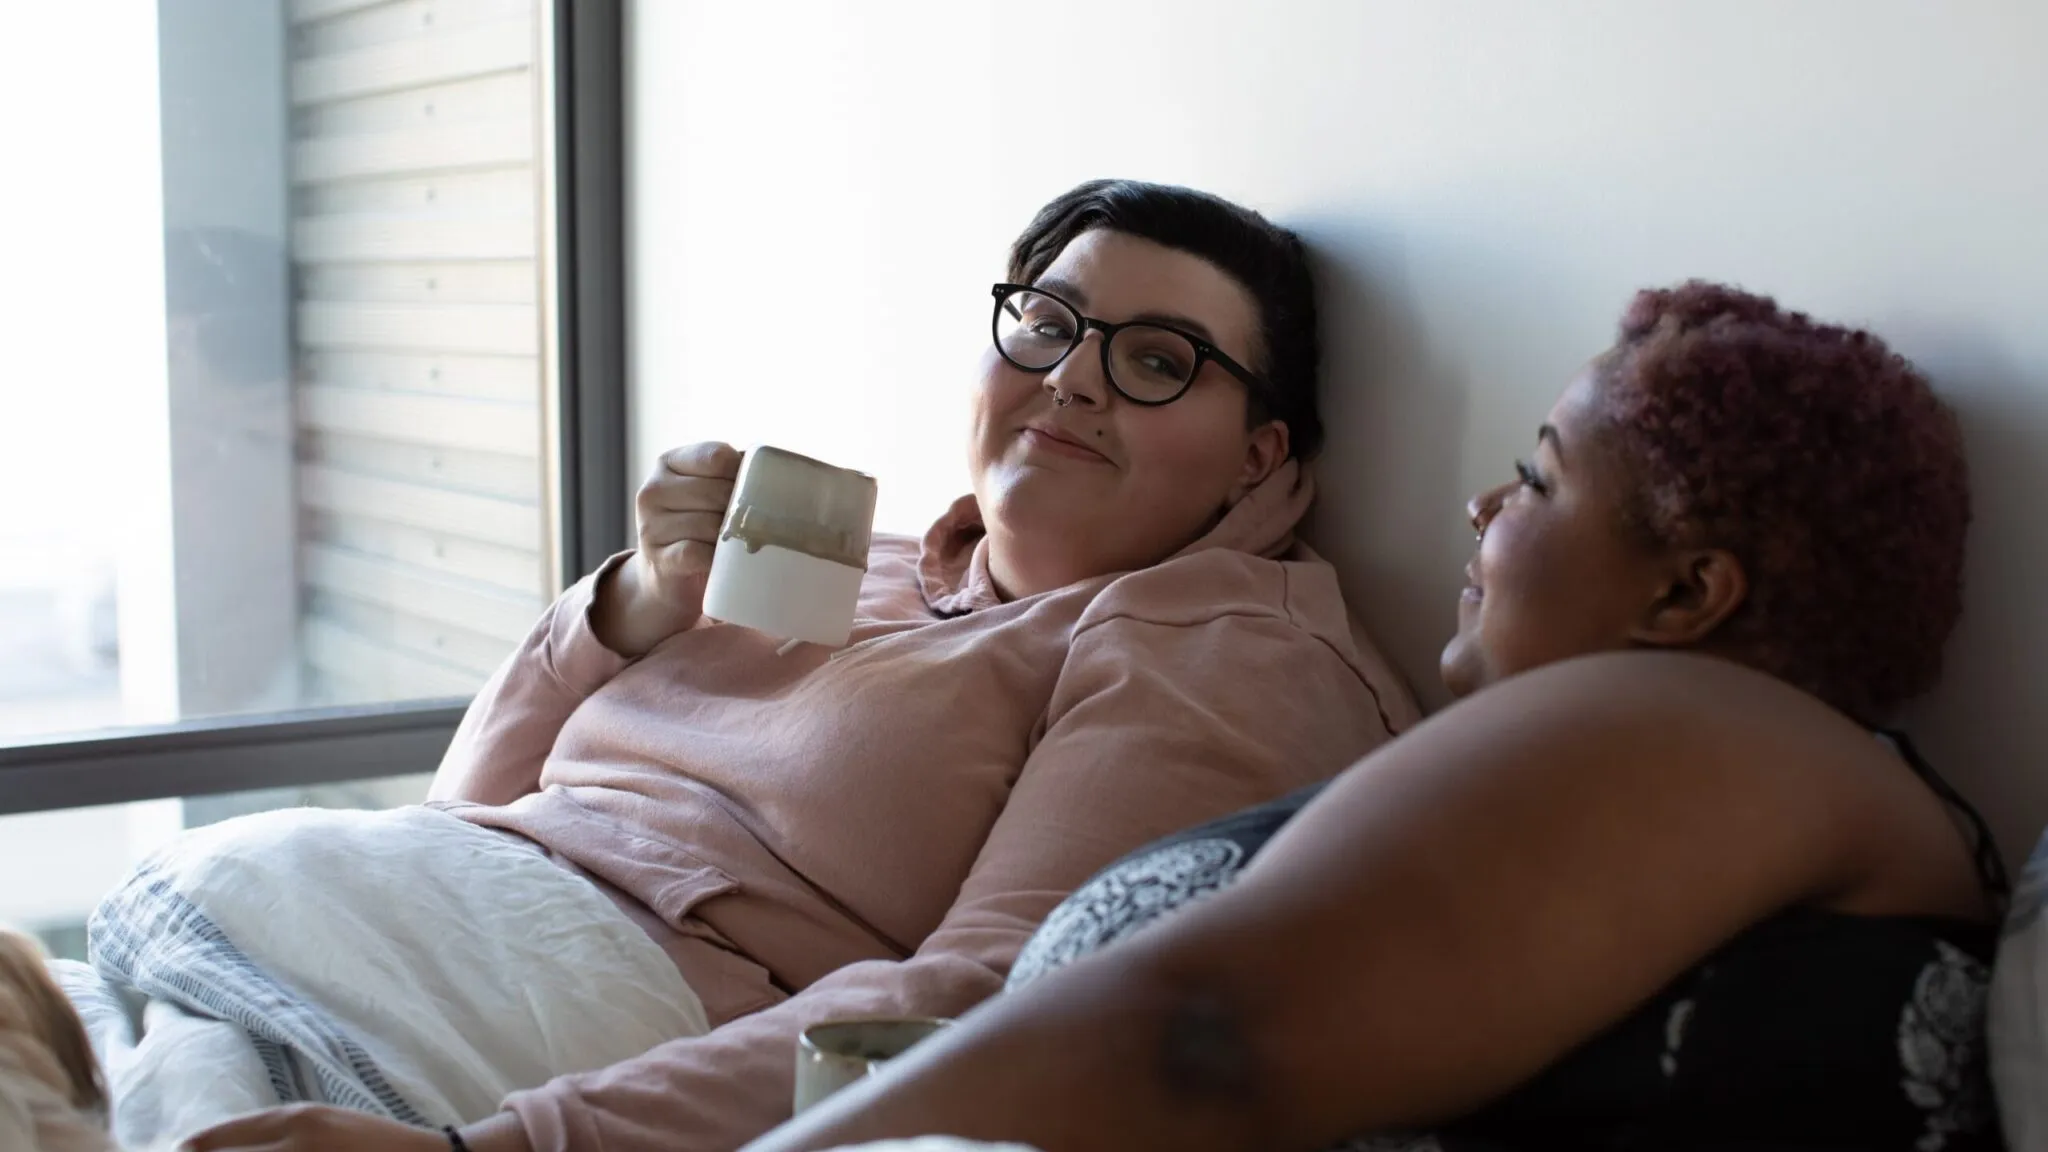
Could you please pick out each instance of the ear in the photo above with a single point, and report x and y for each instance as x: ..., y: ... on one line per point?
x: 1701, y: 589
x: 1265, y: 448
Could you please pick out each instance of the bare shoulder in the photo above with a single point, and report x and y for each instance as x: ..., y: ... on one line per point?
x: 1668, y: 709
x: 1686, y: 759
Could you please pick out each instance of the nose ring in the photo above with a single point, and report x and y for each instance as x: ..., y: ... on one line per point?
x: 1061, y: 399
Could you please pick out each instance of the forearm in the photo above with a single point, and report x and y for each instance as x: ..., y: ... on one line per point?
x: 1107, y: 1056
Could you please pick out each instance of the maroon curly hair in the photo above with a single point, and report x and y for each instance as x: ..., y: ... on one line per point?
x: 1822, y: 460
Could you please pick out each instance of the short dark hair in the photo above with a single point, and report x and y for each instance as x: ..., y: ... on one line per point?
x: 1823, y: 460
x: 1268, y: 260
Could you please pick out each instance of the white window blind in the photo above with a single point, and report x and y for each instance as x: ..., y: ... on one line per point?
x: 415, y: 235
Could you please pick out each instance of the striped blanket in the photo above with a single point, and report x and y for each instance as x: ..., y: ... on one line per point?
x: 400, y: 963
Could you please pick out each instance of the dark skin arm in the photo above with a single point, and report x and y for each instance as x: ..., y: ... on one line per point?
x: 1458, y: 911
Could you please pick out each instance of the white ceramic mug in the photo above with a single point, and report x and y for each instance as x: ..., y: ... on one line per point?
x: 793, y: 549
x: 832, y: 1056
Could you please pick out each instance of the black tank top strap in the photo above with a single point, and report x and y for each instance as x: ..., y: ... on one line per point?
x: 1990, y: 865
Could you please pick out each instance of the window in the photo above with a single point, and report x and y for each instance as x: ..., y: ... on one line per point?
x: 315, y: 397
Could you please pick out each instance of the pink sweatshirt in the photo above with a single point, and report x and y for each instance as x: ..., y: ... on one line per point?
x: 876, y: 831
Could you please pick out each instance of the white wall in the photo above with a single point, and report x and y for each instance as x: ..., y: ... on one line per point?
x: 1485, y: 181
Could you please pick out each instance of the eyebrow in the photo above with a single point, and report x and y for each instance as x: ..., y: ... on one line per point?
x: 1075, y: 295
x: 1549, y: 432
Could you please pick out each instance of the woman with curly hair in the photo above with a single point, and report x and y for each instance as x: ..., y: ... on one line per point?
x: 1656, y: 881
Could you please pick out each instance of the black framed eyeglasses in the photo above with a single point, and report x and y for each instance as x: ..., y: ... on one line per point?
x: 1146, y: 362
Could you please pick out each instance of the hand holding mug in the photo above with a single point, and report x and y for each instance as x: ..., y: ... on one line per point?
x: 659, y: 590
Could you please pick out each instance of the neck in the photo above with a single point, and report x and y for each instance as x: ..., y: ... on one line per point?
x: 1023, y: 567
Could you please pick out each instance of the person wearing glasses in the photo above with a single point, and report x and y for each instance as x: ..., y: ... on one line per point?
x: 1116, y: 635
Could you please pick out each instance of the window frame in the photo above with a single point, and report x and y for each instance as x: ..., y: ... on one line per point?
x: 583, y: 107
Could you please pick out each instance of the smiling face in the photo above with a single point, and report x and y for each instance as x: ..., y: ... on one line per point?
x: 1102, y: 485
x: 1558, y: 574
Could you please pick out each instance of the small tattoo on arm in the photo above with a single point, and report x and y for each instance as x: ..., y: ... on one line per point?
x: 1204, y: 1053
